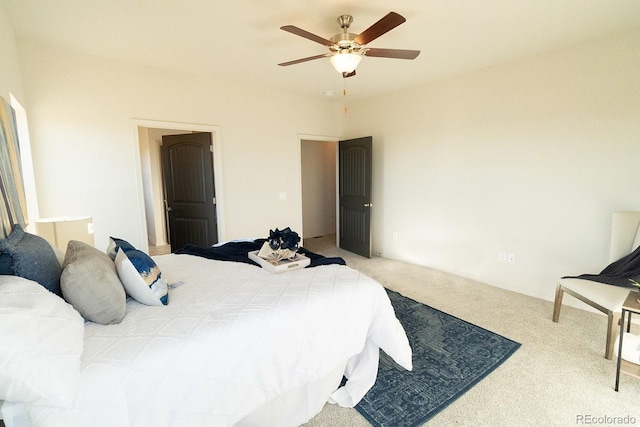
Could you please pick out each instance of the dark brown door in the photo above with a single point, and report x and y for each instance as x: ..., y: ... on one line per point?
x: 355, y: 195
x: 187, y: 168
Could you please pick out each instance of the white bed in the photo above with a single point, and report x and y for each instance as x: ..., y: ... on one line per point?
x: 236, y: 345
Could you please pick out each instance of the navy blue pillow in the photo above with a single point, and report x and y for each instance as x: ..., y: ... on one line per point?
x: 31, y: 257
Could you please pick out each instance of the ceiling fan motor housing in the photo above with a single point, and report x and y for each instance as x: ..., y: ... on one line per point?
x: 344, y: 41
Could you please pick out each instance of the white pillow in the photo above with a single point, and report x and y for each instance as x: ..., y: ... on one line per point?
x: 141, y: 277
x: 42, y: 341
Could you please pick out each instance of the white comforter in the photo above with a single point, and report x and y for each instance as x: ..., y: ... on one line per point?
x: 232, y: 338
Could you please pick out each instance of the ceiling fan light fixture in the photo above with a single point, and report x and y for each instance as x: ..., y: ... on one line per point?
x: 345, y: 62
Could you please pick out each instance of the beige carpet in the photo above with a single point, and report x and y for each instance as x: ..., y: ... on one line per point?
x: 559, y: 377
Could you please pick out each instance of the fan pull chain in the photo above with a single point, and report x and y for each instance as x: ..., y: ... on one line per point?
x: 344, y: 94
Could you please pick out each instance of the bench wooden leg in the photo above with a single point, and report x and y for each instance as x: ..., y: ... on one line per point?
x: 557, y: 303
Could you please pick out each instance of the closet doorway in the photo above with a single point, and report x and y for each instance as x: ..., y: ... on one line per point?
x: 319, y: 188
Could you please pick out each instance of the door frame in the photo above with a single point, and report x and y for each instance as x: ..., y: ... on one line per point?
x: 301, y: 139
x: 217, y: 171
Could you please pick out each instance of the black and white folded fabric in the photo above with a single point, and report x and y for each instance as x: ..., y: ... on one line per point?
x: 618, y: 273
x: 238, y: 251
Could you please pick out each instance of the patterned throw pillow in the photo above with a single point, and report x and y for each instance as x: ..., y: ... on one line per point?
x: 114, y: 244
x: 140, y: 275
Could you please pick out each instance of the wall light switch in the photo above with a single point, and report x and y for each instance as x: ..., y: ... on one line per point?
x: 283, y: 195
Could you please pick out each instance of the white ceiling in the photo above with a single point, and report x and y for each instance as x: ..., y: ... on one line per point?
x: 242, y: 38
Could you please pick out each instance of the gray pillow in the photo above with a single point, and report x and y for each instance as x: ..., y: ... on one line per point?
x: 91, y: 285
x: 31, y: 257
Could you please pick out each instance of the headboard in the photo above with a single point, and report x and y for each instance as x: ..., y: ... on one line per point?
x: 13, y: 209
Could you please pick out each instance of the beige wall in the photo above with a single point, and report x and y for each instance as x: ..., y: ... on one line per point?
x: 529, y: 157
x: 10, y: 78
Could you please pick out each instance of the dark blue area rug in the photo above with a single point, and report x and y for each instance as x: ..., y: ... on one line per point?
x: 449, y: 357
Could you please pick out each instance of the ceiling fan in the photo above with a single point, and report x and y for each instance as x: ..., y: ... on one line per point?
x: 347, y: 49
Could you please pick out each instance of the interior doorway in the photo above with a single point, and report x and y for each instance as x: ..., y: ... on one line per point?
x: 319, y: 186
x: 190, y: 198
x: 150, y: 135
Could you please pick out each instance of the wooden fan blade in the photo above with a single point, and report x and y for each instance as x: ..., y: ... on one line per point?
x: 393, y: 53
x: 351, y: 74
x: 387, y: 23
x: 307, y: 35
x: 309, y: 58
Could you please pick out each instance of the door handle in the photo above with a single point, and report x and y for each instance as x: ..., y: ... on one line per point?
x: 368, y: 205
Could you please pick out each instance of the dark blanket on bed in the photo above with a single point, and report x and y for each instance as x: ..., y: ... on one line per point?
x: 239, y: 252
x: 619, y: 272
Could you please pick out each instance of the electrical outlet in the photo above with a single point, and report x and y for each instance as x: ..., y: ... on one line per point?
x: 511, y: 257
x: 394, y: 235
